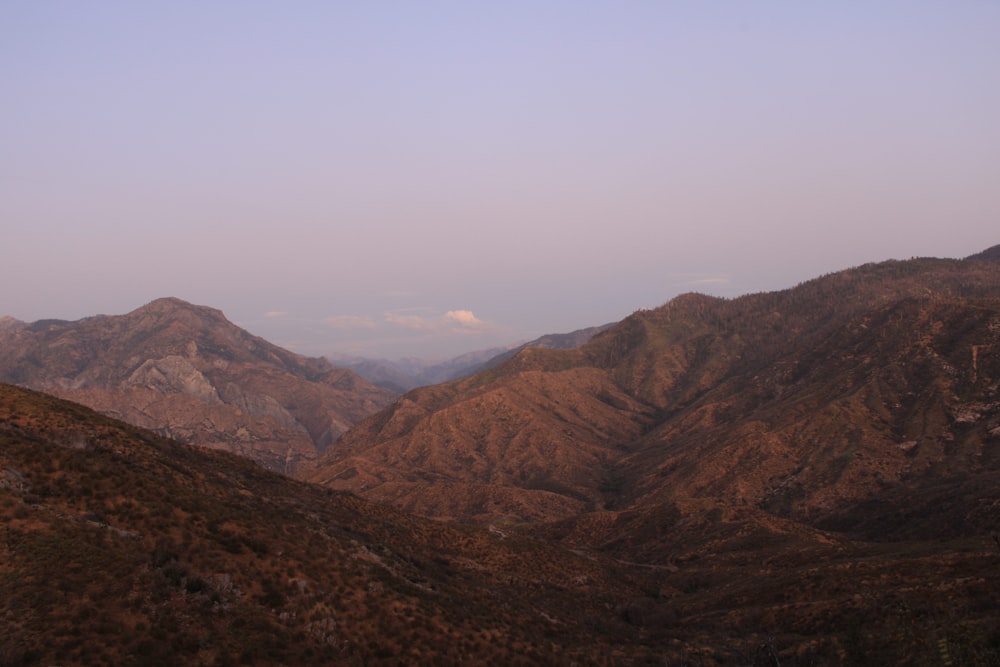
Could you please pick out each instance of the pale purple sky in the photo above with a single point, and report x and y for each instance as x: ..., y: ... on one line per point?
x: 428, y: 178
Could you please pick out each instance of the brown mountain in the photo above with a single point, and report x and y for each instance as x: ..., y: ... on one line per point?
x: 187, y: 372
x: 803, y: 403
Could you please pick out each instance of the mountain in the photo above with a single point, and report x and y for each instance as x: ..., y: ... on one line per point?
x: 405, y: 374
x: 187, y: 372
x: 803, y: 403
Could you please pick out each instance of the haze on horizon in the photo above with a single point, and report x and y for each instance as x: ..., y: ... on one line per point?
x: 415, y: 179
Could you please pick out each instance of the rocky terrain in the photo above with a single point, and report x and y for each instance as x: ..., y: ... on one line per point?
x: 187, y: 372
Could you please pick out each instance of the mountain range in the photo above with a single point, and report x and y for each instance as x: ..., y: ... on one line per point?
x: 809, y: 476
x: 402, y: 375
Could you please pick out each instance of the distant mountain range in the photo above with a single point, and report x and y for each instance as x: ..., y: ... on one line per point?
x: 187, y: 372
x: 404, y: 374
x: 401, y: 375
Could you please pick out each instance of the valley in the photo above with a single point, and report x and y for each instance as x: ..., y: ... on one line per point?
x: 802, y: 477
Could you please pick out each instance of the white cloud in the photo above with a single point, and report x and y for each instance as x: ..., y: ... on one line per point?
x: 462, y: 321
x: 275, y: 313
x: 350, y: 322
x: 464, y: 317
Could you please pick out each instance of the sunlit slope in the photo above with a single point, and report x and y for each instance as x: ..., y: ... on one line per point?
x: 796, y: 401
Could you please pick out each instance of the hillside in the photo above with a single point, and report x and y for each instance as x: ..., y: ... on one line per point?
x: 799, y: 402
x: 118, y: 546
x: 122, y: 547
x: 187, y: 372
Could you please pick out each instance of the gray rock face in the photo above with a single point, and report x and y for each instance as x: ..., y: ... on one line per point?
x: 258, y: 405
x: 172, y: 375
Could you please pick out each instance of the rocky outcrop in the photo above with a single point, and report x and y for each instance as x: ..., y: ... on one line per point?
x: 172, y: 375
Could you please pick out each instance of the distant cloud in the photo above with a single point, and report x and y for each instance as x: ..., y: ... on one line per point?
x: 453, y: 321
x: 350, y: 322
x: 464, y: 317
x: 275, y: 313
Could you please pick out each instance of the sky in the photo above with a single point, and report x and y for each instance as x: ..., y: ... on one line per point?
x: 423, y: 179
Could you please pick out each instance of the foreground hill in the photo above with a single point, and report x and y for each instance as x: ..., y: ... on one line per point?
x: 803, y: 403
x: 119, y: 547
x: 187, y: 372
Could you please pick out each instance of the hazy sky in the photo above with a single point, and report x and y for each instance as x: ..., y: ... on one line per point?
x: 428, y: 178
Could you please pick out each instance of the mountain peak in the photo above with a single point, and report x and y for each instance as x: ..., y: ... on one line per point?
x: 171, y: 305
x: 168, y: 302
